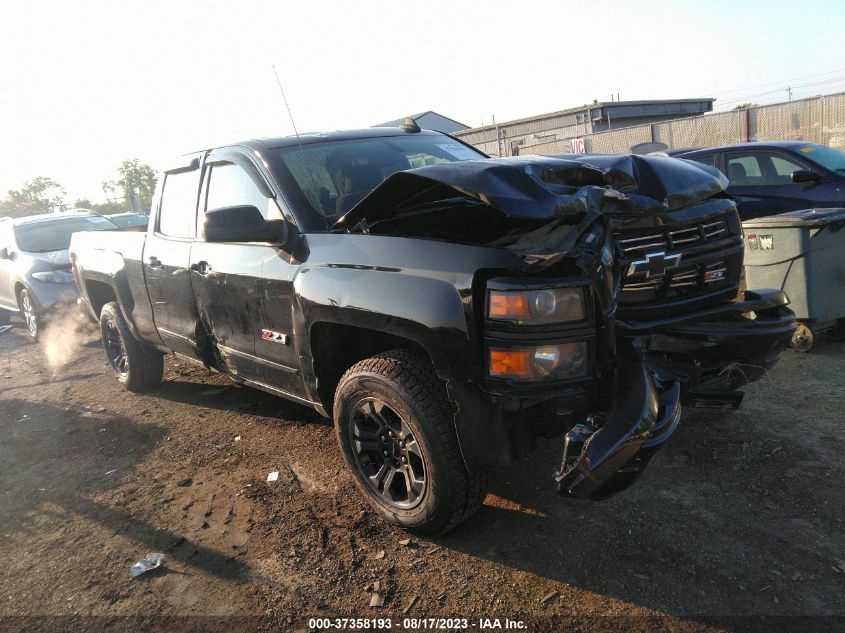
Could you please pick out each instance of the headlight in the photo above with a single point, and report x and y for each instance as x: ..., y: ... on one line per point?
x: 546, y: 362
x: 536, y: 307
x: 54, y: 276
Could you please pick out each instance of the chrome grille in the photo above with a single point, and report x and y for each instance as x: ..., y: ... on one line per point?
x: 670, y: 239
x: 708, y: 254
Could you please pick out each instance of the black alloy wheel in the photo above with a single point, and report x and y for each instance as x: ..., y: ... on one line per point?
x: 386, y: 453
x: 115, y: 350
x: 395, y: 426
x: 136, y: 365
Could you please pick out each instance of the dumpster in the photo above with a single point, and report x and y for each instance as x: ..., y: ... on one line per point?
x: 803, y: 253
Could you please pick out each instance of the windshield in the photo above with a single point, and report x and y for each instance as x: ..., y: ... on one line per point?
x: 829, y: 158
x: 54, y: 235
x: 333, y: 177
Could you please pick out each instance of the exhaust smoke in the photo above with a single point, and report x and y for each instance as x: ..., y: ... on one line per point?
x: 64, y: 336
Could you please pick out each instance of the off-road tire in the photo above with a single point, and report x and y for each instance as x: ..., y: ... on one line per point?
x: 144, y: 365
x: 407, y: 383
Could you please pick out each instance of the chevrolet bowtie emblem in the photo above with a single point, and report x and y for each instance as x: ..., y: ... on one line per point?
x: 654, y: 264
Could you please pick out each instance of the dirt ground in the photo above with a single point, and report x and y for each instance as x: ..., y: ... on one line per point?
x: 737, y: 525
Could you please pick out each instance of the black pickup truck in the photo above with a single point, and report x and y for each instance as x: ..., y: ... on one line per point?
x: 444, y: 308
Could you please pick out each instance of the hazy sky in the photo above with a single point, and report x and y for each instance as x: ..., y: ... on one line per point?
x: 89, y: 84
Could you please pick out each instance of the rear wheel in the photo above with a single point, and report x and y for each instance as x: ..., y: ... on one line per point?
x: 29, y: 314
x: 137, y: 366
x: 393, y: 422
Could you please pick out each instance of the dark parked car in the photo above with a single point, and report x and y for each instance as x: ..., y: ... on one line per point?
x: 768, y: 178
x: 35, y: 273
x: 444, y: 308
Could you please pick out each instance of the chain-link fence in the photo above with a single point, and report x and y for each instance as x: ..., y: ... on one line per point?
x: 817, y: 119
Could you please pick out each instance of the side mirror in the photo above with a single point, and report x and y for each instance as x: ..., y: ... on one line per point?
x: 4, y: 253
x: 243, y: 223
x: 805, y: 175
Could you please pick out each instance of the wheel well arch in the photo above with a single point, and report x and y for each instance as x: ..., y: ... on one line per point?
x: 335, y: 347
x: 18, y: 290
x: 99, y: 294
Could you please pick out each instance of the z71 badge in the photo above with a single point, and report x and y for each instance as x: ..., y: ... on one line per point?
x: 275, y: 337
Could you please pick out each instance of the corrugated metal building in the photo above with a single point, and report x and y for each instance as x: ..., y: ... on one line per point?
x: 517, y: 137
x: 430, y: 120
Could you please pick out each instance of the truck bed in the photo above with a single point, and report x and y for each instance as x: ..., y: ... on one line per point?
x: 109, y: 266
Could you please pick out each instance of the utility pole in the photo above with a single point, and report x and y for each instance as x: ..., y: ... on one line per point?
x: 789, y: 92
x: 498, y: 137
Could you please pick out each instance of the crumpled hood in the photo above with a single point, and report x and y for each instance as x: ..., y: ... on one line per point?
x: 545, y: 187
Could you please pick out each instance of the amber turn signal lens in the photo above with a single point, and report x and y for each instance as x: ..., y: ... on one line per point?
x: 509, y: 305
x: 537, y: 307
x: 515, y: 363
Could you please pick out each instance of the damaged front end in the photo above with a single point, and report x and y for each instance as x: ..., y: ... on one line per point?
x: 603, y: 456
x: 655, y: 248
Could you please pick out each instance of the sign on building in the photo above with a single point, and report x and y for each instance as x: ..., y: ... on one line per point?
x: 576, y: 145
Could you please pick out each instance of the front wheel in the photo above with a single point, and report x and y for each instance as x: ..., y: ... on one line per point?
x: 29, y: 314
x: 137, y: 366
x: 393, y: 422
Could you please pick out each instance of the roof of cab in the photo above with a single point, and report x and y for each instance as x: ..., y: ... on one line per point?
x: 308, y: 138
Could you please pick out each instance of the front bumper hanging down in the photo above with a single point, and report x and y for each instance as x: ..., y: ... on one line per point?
x: 601, y: 457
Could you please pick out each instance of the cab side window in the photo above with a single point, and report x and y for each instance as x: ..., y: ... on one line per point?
x: 177, y: 217
x: 229, y: 185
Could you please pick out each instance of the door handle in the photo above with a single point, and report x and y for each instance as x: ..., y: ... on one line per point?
x: 154, y: 261
x: 201, y: 268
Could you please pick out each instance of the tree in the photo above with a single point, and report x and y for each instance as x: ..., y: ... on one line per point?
x: 103, y: 208
x: 137, y: 179
x: 746, y: 106
x: 39, y: 195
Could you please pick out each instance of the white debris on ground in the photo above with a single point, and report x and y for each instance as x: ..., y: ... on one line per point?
x: 147, y: 564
